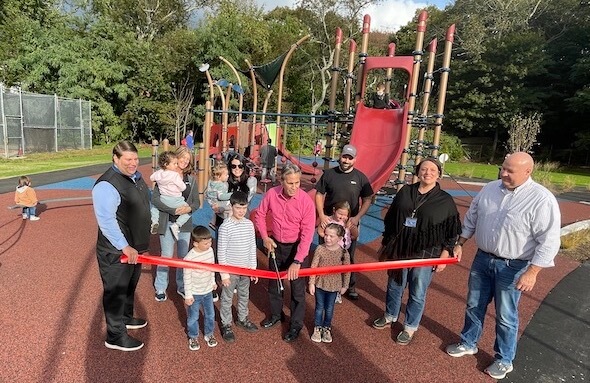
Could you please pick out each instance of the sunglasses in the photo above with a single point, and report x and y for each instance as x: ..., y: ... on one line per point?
x: 240, y: 166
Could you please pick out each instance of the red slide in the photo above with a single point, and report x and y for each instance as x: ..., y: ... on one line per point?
x: 305, y: 167
x: 379, y: 137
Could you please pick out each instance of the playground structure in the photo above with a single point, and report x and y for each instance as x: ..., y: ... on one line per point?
x: 381, y: 136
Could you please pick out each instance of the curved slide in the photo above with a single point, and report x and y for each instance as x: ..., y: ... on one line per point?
x: 379, y: 137
x: 305, y: 167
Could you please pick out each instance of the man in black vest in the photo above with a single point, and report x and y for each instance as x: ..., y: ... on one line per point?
x: 122, y: 209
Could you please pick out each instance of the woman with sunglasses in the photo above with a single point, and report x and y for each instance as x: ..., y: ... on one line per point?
x: 239, y: 179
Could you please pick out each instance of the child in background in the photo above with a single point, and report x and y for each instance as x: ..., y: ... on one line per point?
x: 198, y: 287
x: 171, y: 186
x: 380, y: 99
x: 340, y: 215
x: 236, y: 246
x: 217, y: 192
x: 26, y: 197
x: 325, y: 287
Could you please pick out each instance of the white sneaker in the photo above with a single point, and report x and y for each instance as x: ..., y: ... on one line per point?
x: 175, y: 230
x: 34, y: 218
x: 338, y: 297
x: 25, y: 216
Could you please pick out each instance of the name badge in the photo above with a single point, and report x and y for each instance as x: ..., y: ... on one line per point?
x: 410, y: 222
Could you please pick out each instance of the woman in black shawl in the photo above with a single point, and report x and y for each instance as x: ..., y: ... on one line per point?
x: 422, y: 222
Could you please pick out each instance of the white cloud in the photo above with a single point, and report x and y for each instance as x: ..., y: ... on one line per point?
x: 388, y: 15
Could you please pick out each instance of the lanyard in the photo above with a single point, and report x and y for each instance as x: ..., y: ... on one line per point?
x: 421, y: 202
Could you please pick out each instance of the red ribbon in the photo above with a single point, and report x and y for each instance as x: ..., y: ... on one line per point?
x: 372, y: 266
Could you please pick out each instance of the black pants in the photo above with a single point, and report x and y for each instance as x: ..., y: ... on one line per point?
x: 119, y: 281
x: 285, y: 254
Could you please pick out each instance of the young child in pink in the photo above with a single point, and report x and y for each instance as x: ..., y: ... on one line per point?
x: 171, y: 186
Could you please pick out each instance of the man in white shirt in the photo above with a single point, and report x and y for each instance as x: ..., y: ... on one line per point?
x: 516, y: 223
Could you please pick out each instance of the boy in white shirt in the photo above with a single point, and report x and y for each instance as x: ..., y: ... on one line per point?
x: 198, y: 288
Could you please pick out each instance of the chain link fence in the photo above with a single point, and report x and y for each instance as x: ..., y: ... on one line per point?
x: 34, y: 123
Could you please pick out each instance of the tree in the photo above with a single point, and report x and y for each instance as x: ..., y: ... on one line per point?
x: 522, y: 132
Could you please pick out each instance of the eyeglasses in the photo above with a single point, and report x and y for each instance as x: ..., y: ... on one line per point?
x: 234, y: 166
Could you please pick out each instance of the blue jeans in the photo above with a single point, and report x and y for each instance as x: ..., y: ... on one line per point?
x: 495, y: 278
x: 324, y: 307
x: 30, y: 211
x: 167, y: 249
x: 417, y: 279
x: 192, y: 320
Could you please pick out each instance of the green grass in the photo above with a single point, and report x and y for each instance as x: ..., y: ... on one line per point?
x: 46, y: 162
x: 562, y: 177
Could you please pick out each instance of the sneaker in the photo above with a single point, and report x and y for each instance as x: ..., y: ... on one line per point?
x: 498, y: 370
x: 247, y: 325
x: 125, y: 343
x: 211, y: 341
x: 193, y: 344
x: 215, y: 296
x: 227, y: 334
x: 382, y: 322
x: 352, y: 294
x: 180, y: 293
x: 175, y: 230
x: 404, y: 338
x: 459, y: 349
x: 327, y: 335
x: 161, y: 297
x: 154, y: 228
x: 34, y: 218
x: 317, y: 334
x: 338, y: 298
x: 25, y: 216
x: 135, y: 324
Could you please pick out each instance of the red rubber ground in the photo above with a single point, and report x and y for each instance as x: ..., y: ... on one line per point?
x: 52, y: 326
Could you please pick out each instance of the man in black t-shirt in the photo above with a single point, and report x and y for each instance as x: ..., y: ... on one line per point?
x: 344, y: 183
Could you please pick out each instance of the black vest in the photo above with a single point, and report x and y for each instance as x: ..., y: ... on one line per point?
x: 133, y: 214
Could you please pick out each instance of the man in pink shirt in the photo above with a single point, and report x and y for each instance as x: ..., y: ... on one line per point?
x: 292, y: 227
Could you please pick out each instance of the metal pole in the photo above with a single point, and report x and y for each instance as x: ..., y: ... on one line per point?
x: 281, y: 76
x: 421, y: 28
x: 81, y: 124
x: 55, y: 113
x: 442, y: 90
x: 254, y: 108
x: 362, y: 58
x: 4, y: 127
x: 240, y: 102
x: 90, y: 121
x: 428, y: 77
x: 331, y: 129
x: 207, y: 142
x: 349, y: 76
x: 389, y: 73
x: 226, y: 119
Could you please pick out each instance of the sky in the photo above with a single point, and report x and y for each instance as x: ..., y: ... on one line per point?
x: 388, y: 16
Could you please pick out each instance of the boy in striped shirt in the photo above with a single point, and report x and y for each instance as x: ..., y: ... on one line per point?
x: 198, y: 285
x: 236, y: 246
